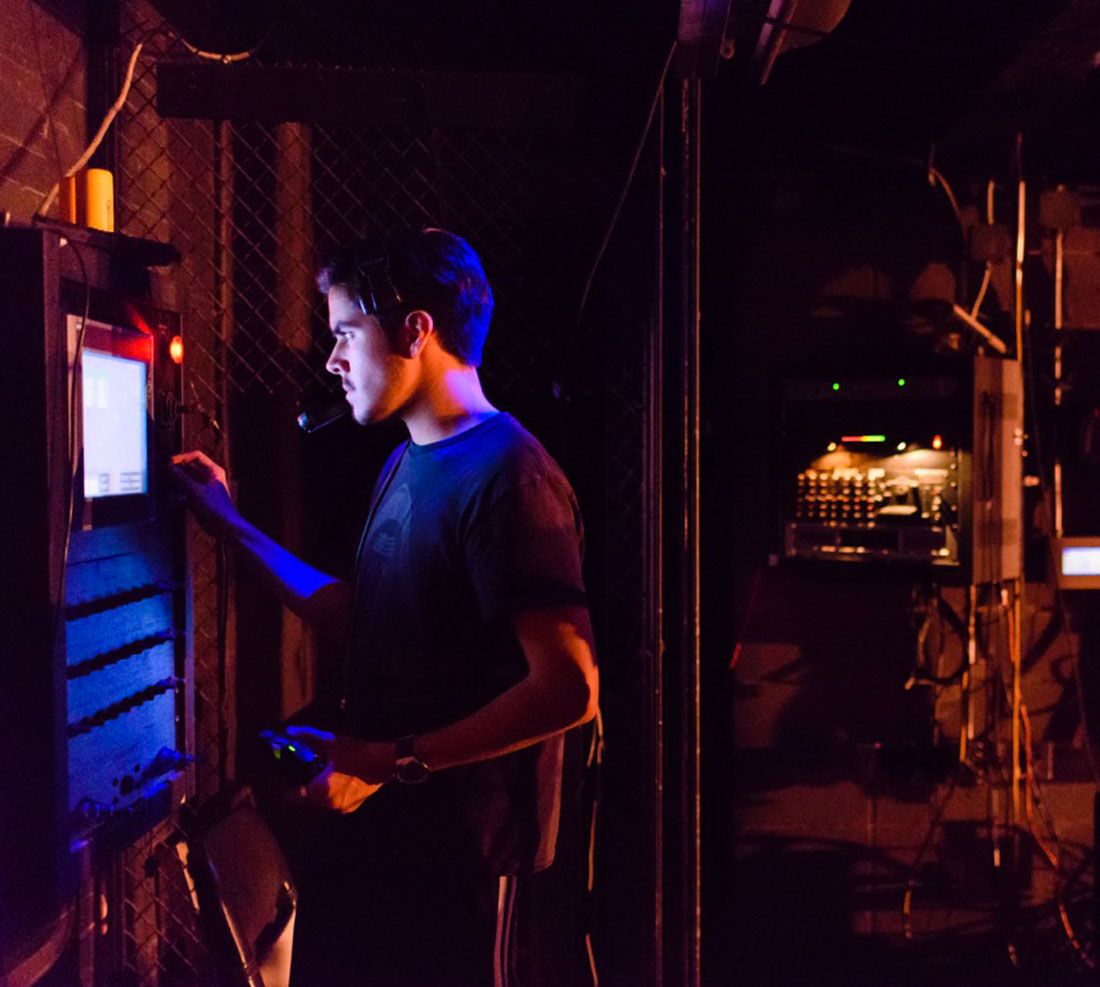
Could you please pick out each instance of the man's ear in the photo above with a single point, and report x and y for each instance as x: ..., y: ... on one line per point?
x: 416, y: 330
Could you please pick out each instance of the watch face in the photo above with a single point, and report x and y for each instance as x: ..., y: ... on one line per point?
x: 410, y: 771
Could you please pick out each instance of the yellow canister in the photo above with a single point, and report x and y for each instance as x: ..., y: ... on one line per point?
x: 88, y: 199
x: 96, y: 192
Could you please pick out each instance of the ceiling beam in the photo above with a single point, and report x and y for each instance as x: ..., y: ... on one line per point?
x: 497, y: 101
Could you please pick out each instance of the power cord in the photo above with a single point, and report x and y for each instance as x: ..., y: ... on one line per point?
x: 72, y: 460
x: 108, y: 119
x: 570, y: 338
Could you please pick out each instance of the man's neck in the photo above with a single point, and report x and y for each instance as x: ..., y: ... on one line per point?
x: 453, y: 403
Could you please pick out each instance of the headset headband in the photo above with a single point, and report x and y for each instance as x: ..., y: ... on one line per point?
x: 377, y: 290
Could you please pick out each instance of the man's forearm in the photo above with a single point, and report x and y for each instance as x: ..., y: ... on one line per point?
x: 522, y: 715
x: 560, y: 691
x: 315, y: 596
x: 318, y: 598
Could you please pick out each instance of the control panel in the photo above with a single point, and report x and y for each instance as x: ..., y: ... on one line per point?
x: 920, y: 470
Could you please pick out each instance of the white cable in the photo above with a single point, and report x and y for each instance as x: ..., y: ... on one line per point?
x: 935, y: 175
x: 982, y: 289
x: 228, y: 58
x: 627, y: 184
x: 215, y: 56
x: 108, y: 119
x: 975, y: 308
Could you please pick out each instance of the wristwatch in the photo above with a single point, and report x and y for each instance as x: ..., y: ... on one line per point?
x: 408, y: 768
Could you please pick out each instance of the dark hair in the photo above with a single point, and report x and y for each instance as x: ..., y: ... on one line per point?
x: 429, y: 269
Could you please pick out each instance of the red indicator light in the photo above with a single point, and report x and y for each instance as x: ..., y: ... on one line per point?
x: 937, y: 442
x: 175, y: 349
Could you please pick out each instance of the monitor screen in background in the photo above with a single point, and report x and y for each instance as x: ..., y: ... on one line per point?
x: 1081, y: 560
x: 115, y: 445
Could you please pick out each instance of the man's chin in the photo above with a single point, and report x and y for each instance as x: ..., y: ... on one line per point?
x: 366, y: 416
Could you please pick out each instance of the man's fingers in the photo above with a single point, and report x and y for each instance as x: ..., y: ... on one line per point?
x: 198, y: 467
x: 193, y: 456
x: 192, y: 466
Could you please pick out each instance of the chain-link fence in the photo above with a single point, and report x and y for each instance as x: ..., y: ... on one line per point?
x: 249, y: 205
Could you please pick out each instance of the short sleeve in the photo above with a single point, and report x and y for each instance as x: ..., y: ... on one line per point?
x: 524, y: 550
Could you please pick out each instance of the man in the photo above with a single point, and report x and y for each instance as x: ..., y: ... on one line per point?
x: 468, y: 639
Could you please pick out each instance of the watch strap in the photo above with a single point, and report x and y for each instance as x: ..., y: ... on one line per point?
x: 408, y: 768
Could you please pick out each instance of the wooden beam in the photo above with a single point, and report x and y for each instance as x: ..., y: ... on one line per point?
x: 372, y: 97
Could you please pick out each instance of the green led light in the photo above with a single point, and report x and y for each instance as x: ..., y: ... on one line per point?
x: 901, y: 382
x: 836, y: 387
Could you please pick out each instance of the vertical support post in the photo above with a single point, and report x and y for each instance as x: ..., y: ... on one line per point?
x: 1059, y: 272
x: 679, y: 933
x: 294, y: 294
x: 690, y: 754
x: 1018, y: 584
x: 966, y: 728
x: 101, y: 41
x: 1016, y: 655
x: 1021, y: 235
x: 223, y: 262
x: 656, y: 567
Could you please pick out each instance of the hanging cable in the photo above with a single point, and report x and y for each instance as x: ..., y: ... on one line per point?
x: 108, y: 119
x: 988, y: 274
x: 920, y: 674
x: 914, y: 871
x: 72, y: 458
x: 1053, y: 855
x: 935, y: 177
x: 631, y: 172
x: 227, y: 58
x: 593, y: 764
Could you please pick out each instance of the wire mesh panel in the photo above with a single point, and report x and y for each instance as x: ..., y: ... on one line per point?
x: 158, y: 940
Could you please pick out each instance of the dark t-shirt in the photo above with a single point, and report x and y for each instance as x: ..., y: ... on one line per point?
x: 466, y: 533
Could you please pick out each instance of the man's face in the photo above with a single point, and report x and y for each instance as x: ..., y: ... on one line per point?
x: 375, y: 378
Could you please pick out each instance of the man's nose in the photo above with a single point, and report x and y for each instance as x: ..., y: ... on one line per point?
x: 332, y: 364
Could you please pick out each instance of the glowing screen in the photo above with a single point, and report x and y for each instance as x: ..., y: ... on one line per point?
x: 115, y: 449
x: 1081, y: 561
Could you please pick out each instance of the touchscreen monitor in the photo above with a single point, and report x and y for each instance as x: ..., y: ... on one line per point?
x: 115, y: 422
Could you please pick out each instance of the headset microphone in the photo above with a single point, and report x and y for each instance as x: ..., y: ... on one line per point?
x: 313, y: 419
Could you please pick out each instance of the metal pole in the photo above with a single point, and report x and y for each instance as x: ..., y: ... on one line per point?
x: 1017, y: 585
x: 656, y: 568
x: 1016, y: 655
x: 224, y: 199
x: 690, y: 124
x: 1021, y: 231
x: 966, y: 731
